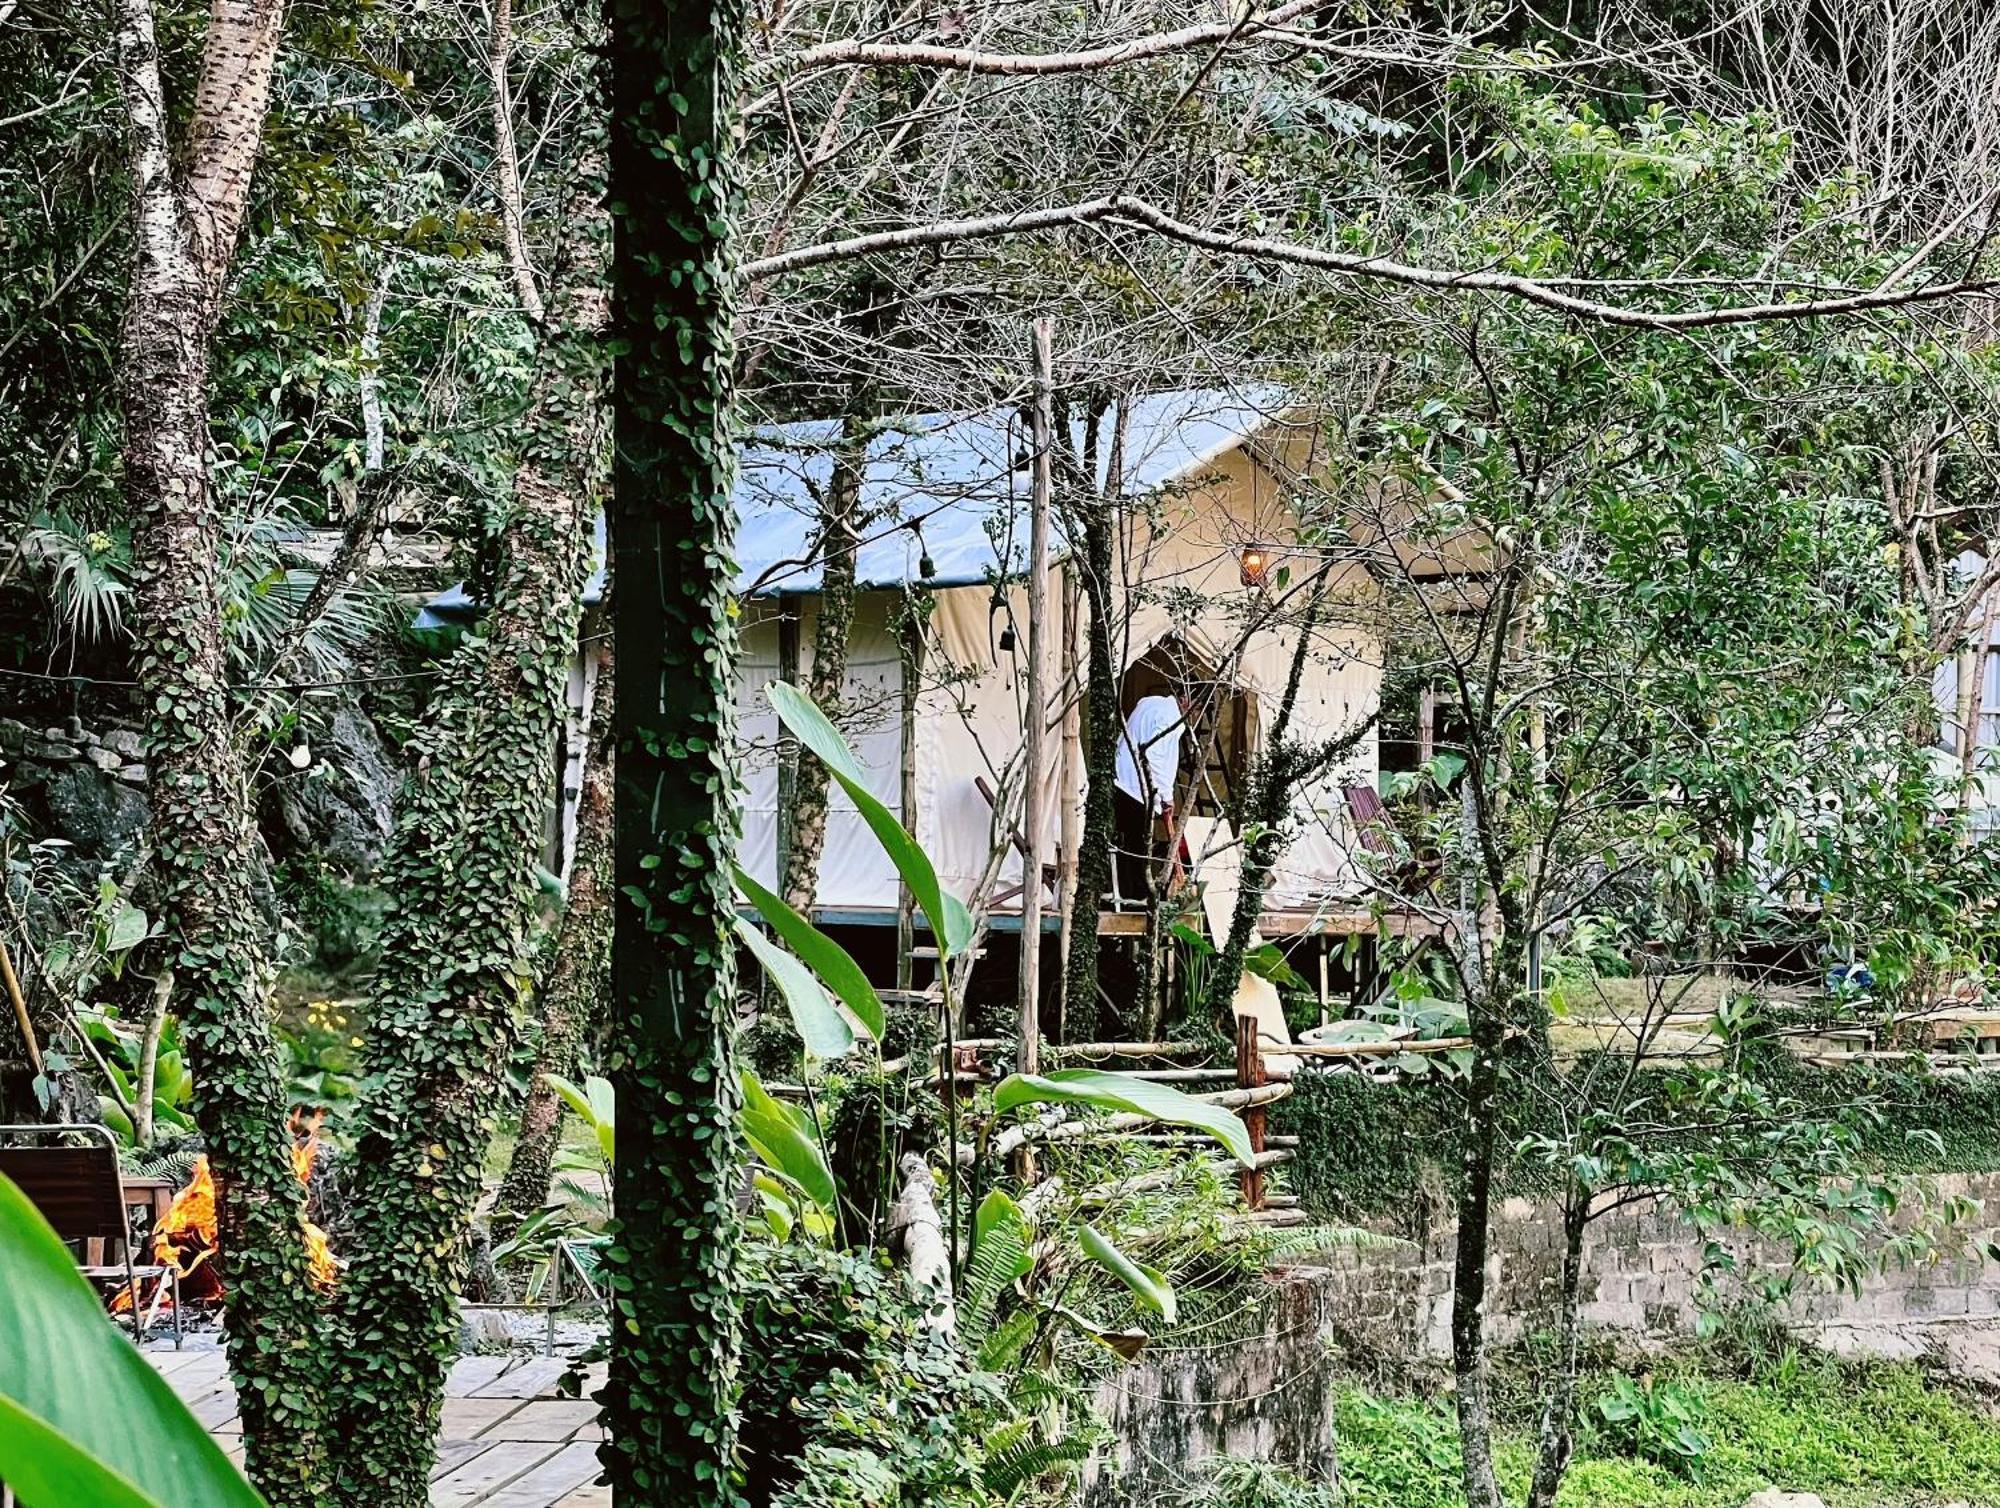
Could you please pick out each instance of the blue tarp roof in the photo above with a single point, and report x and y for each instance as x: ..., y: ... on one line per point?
x: 955, y: 486
x: 951, y: 487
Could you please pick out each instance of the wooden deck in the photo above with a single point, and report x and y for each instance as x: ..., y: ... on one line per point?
x: 508, y: 1440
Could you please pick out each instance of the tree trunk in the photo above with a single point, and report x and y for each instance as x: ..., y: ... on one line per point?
x: 1093, y: 867
x: 805, y: 822
x: 1475, y: 1195
x: 1559, y: 1409
x: 462, y: 868
x: 205, y: 851
x: 579, y: 978
x: 674, y: 1331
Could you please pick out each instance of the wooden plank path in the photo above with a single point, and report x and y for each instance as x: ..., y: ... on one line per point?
x: 509, y: 1441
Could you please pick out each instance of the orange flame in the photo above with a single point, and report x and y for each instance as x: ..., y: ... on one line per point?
x: 187, y: 1237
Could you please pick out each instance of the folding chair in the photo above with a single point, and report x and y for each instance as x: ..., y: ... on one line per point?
x: 80, y: 1192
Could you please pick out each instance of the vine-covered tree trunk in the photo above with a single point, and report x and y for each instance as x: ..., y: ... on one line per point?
x: 462, y: 869
x: 671, y: 1273
x: 805, y: 825
x: 188, y: 208
x: 572, y: 997
x: 1100, y: 757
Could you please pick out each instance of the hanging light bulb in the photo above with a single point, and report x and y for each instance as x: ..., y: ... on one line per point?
x: 1255, y: 563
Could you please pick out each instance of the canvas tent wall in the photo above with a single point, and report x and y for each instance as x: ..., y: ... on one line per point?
x: 946, y: 499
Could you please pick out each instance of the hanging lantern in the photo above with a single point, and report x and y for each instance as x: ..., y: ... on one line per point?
x: 1255, y: 563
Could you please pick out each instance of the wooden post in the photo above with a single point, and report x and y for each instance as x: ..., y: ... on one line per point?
x: 788, y: 746
x: 1250, y: 1075
x: 1034, y: 815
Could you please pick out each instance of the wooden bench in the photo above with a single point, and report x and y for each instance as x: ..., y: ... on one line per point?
x: 81, y: 1193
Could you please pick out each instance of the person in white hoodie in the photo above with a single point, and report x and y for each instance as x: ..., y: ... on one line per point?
x: 1148, y: 770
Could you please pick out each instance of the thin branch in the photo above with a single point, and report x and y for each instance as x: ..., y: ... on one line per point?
x: 1141, y: 214
x: 853, y: 52
x: 507, y: 162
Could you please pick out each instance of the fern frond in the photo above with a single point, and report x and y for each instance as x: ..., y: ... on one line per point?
x: 1009, y: 1469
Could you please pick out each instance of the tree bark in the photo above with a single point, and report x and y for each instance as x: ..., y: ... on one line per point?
x: 205, y: 852
x: 578, y: 983
x: 1559, y: 1409
x: 805, y: 823
x: 462, y: 868
x: 1093, y: 867
x: 1475, y: 1195
x: 675, y: 1333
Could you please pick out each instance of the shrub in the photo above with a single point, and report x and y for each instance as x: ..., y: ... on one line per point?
x: 849, y: 1399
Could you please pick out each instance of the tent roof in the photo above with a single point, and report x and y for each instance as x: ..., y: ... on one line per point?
x: 955, y: 486
x: 952, y: 487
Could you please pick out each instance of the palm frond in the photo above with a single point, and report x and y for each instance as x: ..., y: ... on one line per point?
x: 87, y: 573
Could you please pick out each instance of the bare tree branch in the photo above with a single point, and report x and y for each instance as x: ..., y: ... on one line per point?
x: 1138, y: 212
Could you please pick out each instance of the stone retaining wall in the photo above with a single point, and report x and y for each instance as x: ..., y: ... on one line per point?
x: 89, y: 782
x: 1269, y: 1394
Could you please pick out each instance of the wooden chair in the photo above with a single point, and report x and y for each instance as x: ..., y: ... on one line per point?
x: 81, y: 1193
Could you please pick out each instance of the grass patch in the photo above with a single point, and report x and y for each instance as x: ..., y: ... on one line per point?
x: 1860, y: 1436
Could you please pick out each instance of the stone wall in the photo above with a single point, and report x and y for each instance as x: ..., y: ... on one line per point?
x: 1262, y: 1390
x: 1641, y: 1271
x: 89, y: 784
x: 1268, y: 1393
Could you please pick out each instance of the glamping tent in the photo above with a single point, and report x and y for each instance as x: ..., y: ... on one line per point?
x: 936, y: 669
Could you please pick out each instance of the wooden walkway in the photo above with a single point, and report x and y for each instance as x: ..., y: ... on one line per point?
x: 509, y: 1441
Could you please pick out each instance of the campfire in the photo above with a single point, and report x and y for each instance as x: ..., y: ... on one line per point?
x: 186, y: 1236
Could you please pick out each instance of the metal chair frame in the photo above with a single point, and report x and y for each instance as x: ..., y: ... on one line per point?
x: 168, y: 1273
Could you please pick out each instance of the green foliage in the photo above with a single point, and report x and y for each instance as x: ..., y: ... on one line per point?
x: 595, y: 1103
x: 1148, y: 1284
x: 83, y: 1417
x: 833, y: 964
x: 1228, y: 1482
x: 788, y: 1145
x: 1121, y: 1093
x: 950, y: 923
x: 1876, y: 1435
x: 822, y: 1030
x: 849, y: 1397
x: 1655, y: 1419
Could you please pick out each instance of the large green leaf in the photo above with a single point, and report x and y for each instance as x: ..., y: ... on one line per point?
x: 596, y: 1105
x: 821, y: 1027
x: 1148, y: 1284
x: 83, y: 1415
x: 1117, y: 1092
x: 951, y: 923
x: 835, y: 966
x: 783, y: 1140
x: 128, y: 930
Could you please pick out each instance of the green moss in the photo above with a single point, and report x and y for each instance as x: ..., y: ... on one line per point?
x: 1877, y: 1435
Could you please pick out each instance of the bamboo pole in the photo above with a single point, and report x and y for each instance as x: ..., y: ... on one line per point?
x: 20, y: 1004
x: 1034, y: 811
